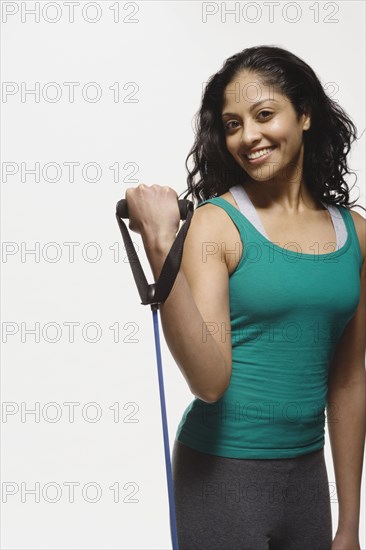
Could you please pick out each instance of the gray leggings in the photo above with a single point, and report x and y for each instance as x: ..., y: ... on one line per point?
x: 251, y: 504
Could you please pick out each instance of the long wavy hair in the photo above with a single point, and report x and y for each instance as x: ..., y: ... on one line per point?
x: 326, y: 143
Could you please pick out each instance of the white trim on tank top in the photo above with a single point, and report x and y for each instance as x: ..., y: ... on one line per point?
x: 248, y: 209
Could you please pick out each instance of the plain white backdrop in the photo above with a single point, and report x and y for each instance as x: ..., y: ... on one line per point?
x: 80, y: 396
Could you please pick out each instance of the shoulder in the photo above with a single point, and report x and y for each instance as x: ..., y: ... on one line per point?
x: 209, y: 212
x: 216, y: 217
x: 213, y: 226
x: 209, y: 222
x: 360, y: 226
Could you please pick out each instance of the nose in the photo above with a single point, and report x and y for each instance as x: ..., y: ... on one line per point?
x: 250, y: 134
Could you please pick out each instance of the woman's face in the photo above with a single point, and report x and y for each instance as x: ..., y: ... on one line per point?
x: 272, y: 123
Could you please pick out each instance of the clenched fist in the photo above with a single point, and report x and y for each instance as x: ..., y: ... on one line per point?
x: 153, y: 212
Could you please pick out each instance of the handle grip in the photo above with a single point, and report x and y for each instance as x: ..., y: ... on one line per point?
x: 184, y: 207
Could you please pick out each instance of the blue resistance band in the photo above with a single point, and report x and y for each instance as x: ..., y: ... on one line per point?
x: 154, y: 294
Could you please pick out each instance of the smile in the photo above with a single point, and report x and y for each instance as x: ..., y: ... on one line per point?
x: 265, y: 152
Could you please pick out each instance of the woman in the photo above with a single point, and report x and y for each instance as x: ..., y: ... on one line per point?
x: 266, y: 319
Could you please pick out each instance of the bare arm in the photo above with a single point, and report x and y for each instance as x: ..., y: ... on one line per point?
x: 346, y: 411
x: 196, y: 317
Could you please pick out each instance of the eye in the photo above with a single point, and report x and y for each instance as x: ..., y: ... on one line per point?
x: 261, y: 113
x: 227, y: 125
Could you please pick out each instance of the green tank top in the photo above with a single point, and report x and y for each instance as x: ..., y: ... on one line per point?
x: 288, y: 310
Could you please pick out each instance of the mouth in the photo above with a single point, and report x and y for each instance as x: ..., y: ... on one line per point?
x: 260, y: 156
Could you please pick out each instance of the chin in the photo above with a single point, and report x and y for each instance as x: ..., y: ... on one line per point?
x: 271, y: 176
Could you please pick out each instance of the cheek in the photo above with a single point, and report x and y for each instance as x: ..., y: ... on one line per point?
x: 278, y: 131
x: 285, y: 132
x: 231, y: 144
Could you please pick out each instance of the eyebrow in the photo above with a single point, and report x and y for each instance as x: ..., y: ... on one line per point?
x: 252, y: 107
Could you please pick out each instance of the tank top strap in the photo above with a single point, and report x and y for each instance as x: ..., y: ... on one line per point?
x: 339, y: 224
x: 345, y: 213
x: 247, y: 208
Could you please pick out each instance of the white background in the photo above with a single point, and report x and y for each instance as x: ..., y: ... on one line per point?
x: 169, y: 52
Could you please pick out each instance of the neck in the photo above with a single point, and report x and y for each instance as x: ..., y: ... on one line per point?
x: 290, y: 196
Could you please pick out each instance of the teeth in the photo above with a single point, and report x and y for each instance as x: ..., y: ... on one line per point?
x: 260, y: 153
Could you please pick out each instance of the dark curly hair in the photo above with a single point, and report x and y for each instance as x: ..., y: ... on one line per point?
x: 326, y: 144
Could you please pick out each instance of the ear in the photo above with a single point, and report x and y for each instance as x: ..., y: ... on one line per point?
x: 306, y: 121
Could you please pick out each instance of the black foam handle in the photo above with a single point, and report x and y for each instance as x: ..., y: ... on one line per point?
x: 184, y: 207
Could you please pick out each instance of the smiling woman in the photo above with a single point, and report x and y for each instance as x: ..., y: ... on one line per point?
x: 266, y: 319
x: 261, y: 97
x: 269, y: 336
x: 267, y: 134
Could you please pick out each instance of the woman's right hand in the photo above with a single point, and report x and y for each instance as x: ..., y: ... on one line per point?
x: 153, y: 212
